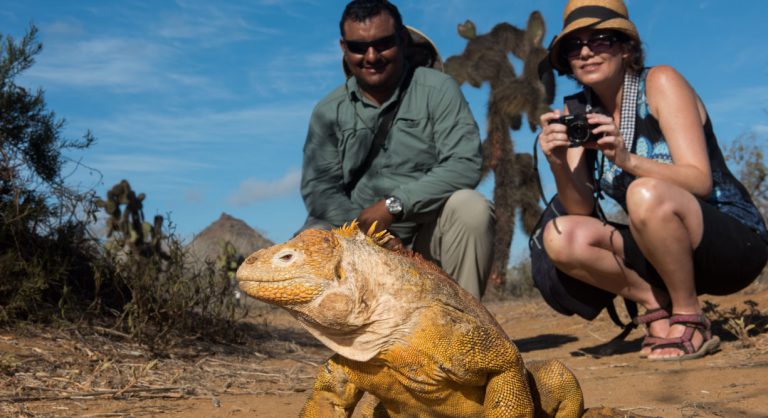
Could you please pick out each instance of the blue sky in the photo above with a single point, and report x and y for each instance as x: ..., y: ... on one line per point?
x: 204, y: 105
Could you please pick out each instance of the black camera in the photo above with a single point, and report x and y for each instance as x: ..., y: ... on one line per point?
x: 577, y: 128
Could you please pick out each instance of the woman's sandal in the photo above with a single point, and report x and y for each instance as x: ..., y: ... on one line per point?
x: 692, y: 323
x: 651, y: 315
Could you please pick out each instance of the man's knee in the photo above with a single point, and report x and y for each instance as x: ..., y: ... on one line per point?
x: 470, y: 209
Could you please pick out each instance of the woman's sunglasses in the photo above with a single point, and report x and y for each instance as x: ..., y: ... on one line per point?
x: 380, y: 45
x: 598, y: 44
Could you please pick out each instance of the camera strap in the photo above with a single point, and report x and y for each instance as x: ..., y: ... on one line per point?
x: 629, y: 108
x: 386, y: 121
x: 627, y: 128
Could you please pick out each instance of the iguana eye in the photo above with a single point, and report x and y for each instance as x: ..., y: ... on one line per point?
x: 286, y: 257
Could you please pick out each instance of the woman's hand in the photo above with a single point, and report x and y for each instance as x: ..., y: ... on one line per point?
x: 553, y: 139
x: 609, y: 139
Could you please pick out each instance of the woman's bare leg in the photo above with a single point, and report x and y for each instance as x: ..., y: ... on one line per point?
x: 585, y: 248
x: 667, y: 224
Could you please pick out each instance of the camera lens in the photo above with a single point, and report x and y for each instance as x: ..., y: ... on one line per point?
x: 578, y: 132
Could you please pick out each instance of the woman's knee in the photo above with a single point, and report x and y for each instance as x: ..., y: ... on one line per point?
x: 562, y: 238
x: 649, y: 199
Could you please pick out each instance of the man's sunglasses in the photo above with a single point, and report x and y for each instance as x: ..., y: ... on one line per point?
x: 380, y: 45
x: 598, y: 44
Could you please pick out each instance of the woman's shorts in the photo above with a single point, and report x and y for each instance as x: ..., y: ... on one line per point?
x: 729, y: 257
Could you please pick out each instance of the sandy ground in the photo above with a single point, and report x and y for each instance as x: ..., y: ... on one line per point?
x: 63, y: 372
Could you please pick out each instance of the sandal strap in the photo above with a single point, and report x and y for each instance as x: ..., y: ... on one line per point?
x: 681, y: 343
x: 650, y: 340
x: 651, y: 315
x: 692, y: 323
x: 694, y: 320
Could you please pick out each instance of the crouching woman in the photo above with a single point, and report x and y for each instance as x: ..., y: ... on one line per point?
x: 693, y: 228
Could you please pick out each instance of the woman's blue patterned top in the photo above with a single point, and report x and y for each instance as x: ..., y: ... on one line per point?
x: 728, y: 194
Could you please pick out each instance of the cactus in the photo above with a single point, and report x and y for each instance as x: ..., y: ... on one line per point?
x: 228, y: 262
x: 485, y: 59
x: 127, y: 227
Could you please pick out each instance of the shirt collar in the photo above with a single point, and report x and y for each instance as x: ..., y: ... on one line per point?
x: 354, y: 93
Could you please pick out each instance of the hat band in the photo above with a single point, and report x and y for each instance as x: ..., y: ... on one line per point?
x: 598, y: 12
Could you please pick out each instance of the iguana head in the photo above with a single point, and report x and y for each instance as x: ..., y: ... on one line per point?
x: 322, y: 276
x: 292, y: 273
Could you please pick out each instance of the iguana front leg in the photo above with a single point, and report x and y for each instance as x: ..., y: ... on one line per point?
x: 508, y: 395
x: 556, y: 392
x: 487, y: 354
x: 333, y: 395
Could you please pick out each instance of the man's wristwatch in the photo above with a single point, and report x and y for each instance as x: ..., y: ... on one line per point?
x: 394, y: 206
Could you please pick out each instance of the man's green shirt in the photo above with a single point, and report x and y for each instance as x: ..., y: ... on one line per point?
x: 431, y: 151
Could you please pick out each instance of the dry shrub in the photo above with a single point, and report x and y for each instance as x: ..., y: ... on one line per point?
x: 167, y: 299
x: 51, y: 265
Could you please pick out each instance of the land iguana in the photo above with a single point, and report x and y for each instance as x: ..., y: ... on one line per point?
x: 403, y: 331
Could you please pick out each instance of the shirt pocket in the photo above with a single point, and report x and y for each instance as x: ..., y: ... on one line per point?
x: 353, y: 147
x: 411, y: 145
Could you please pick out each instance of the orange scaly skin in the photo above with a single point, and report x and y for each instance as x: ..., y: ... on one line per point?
x: 402, y: 331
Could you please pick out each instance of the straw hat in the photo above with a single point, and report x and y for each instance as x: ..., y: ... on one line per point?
x: 421, y: 52
x: 591, y: 14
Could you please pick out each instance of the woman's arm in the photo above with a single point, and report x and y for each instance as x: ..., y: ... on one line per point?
x: 681, y: 117
x: 569, y: 166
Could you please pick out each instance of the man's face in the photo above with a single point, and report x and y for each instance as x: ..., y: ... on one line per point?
x: 379, y: 66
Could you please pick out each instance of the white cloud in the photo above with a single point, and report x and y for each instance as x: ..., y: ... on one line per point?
x: 745, y: 57
x: 753, y: 99
x: 151, y: 62
x: 290, y: 72
x: 760, y: 129
x: 437, y: 11
x: 163, y: 131
x: 212, y: 25
x: 142, y: 164
x: 120, y: 63
x: 193, y: 196
x: 66, y: 27
x: 253, y: 190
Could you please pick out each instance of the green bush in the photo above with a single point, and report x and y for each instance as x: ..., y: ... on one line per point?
x: 44, y: 246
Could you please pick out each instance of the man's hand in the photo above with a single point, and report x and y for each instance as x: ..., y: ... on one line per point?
x: 378, y: 213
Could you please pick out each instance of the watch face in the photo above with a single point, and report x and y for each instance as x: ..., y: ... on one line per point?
x: 394, y: 205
